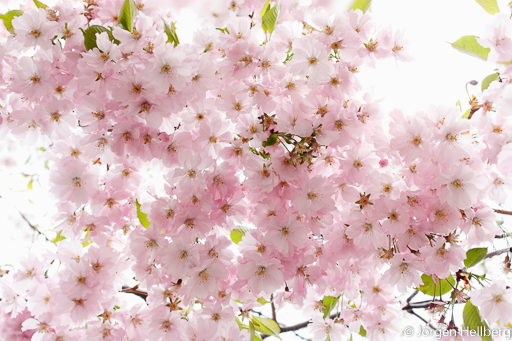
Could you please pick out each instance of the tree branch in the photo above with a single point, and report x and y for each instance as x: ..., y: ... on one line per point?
x: 274, y: 315
x: 412, y: 312
x: 412, y: 295
x: 503, y: 212
x: 135, y: 291
x: 33, y: 227
x: 498, y: 252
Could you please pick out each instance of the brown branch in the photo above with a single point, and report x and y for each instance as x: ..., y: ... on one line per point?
x: 33, y: 227
x: 274, y: 315
x: 412, y: 312
x: 503, y: 212
x: 498, y: 252
x: 135, y: 291
x: 412, y: 295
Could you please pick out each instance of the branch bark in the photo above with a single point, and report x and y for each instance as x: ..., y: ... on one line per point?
x: 33, y: 227
x: 135, y: 291
x: 498, y: 252
x: 503, y: 212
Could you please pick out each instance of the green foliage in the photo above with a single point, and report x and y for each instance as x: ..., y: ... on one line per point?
x: 87, y: 242
x: 470, y: 46
x: 58, y: 238
x: 223, y: 30
x: 262, y: 301
x: 466, y: 114
x: 172, y: 37
x: 266, y: 326
x: 142, y: 216
x: 237, y: 234
x: 473, y: 321
x: 429, y: 286
x: 7, y: 19
x: 269, y: 16
x: 490, y: 6
x: 329, y: 304
x: 266, y: 7
x: 475, y: 256
x: 272, y: 140
x: 39, y: 4
x: 489, y: 79
x: 90, y: 36
x: 363, y: 5
x: 127, y: 15
x: 362, y: 331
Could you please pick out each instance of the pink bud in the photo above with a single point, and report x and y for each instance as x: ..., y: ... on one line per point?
x: 383, y: 162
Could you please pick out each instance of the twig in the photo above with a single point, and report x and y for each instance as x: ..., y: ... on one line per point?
x: 503, y: 212
x: 498, y: 252
x: 274, y: 316
x: 33, y: 227
x: 412, y: 312
x: 412, y: 295
x: 135, y: 291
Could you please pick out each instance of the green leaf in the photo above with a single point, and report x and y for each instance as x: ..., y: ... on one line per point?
x: 490, y: 6
x: 237, y: 234
x: 466, y: 114
x: 362, y: 331
x: 29, y: 185
x: 473, y: 321
x: 58, y: 238
x: 172, y: 37
x: 7, y: 19
x: 142, y: 216
x: 489, y: 79
x: 269, y: 19
x: 470, y: 46
x: 329, y: 304
x: 87, y: 242
x: 127, y: 15
x: 266, y: 326
x: 262, y: 301
x: 265, y: 9
x: 363, y: 5
x: 90, y: 36
x: 459, y: 105
x: 272, y: 140
x: 252, y: 331
x: 428, y: 285
x: 39, y: 4
x: 475, y: 256
x: 241, y: 326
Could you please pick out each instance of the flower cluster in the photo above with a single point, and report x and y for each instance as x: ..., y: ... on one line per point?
x: 162, y: 153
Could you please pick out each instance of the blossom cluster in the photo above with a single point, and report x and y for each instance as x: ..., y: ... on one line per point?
x: 161, y: 153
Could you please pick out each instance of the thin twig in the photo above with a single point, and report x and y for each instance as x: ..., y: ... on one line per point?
x: 135, y: 291
x: 33, y: 227
x: 274, y: 315
x: 503, y: 212
x: 412, y: 312
x: 498, y: 252
x: 412, y: 295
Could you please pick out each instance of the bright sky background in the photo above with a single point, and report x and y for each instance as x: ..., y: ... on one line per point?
x: 436, y: 76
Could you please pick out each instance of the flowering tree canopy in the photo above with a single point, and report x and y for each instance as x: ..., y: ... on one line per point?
x: 248, y: 169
